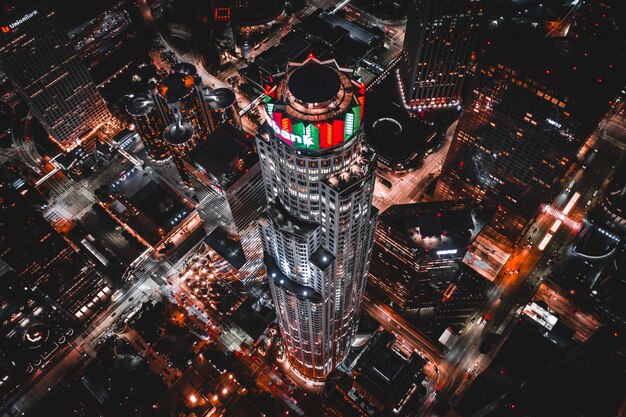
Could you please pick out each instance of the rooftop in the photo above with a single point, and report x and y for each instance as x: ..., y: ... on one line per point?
x: 314, y: 83
x: 178, y: 133
x: 384, y: 373
x: 221, y: 98
x: 439, y: 225
x: 300, y: 291
x: 288, y: 223
x: 585, y: 73
x: 225, y: 156
x: 139, y: 105
x: 176, y: 86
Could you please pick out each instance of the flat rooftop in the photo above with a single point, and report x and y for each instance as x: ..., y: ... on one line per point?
x: 225, y: 156
x: 438, y: 225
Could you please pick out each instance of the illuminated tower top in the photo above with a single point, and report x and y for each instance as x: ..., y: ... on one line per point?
x: 140, y: 105
x: 176, y: 87
x: 315, y: 105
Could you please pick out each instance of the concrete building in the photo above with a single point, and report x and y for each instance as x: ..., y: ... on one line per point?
x: 318, y: 227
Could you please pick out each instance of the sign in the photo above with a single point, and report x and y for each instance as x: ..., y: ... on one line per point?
x: 312, y: 136
x: 27, y: 16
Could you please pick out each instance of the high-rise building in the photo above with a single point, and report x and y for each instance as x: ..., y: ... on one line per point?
x: 36, y: 55
x: 181, y: 95
x: 438, y: 42
x: 534, y: 102
x: 223, y: 105
x: 149, y: 124
x: 318, y: 228
x: 181, y: 139
x: 418, y: 249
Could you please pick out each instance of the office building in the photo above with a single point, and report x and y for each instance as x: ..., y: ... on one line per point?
x: 385, y: 379
x: 318, y: 227
x: 418, y: 248
x: 223, y: 107
x: 236, y: 197
x: 323, y: 34
x: 181, y: 139
x: 533, y: 104
x: 181, y: 95
x: 438, y: 42
x: 36, y: 55
x: 150, y: 126
x: 382, y: 382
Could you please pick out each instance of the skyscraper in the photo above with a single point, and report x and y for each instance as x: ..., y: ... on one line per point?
x: 437, y: 49
x: 223, y: 105
x: 181, y: 139
x: 534, y: 102
x: 149, y: 124
x: 181, y: 95
x: 36, y: 55
x: 318, y: 228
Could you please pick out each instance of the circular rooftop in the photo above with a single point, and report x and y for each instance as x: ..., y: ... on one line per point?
x: 36, y: 335
x: 221, y: 98
x: 184, y: 68
x: 314, y: 83
x: 387, y: 125
x: 139, y: 105
x: 178, y: 133
x: 176, y: 87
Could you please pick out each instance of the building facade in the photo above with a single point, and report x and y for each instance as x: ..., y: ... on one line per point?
x: 181, y: 139
x: 438, y: 42
x: 150, y: 126
x: 181, y: 95
x: 36, y: 55
x: 418, y: 249
x: 318, y: 228
x: 529, y: 113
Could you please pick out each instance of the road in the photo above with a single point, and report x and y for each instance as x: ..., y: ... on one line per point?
x: 394, y: 34
x: 409, y: 339
x: 78, y: 352
x: 525, y: 270
x: 408, y: 187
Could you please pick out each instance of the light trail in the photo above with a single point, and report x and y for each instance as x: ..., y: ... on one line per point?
x: 561, y: 216
x: 571, y: 203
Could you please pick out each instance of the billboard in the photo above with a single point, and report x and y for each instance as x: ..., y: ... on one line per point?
x: 313, y: 136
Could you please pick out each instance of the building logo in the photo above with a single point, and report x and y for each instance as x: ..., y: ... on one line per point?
x: 27, y: 16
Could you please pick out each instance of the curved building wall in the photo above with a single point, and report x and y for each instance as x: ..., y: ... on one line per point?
x: 317, y: 236
x: 150, y: 126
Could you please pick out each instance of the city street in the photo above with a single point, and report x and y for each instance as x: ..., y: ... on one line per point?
x: 408, y: 187
x: 409, y: 339
x: 80, y: 351
x: 183, y: 327
x: 524, y: 272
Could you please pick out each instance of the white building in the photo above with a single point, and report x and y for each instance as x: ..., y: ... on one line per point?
x: 318, y: 228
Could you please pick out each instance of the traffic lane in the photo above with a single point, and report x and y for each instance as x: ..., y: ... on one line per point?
x: 393, y: 322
